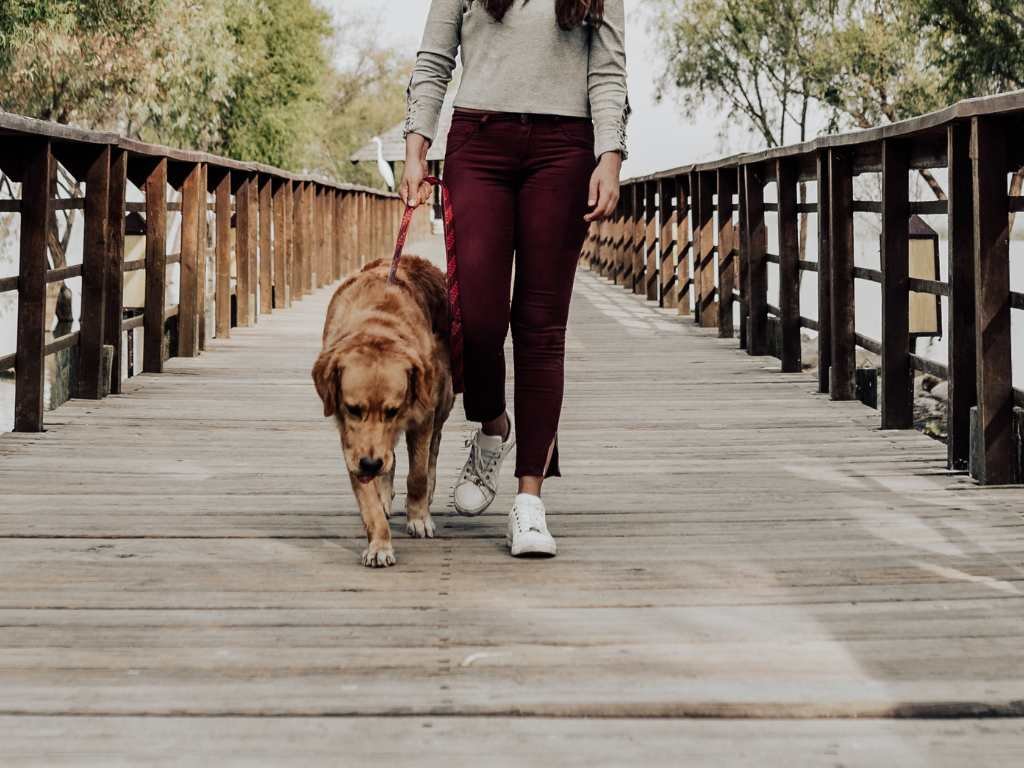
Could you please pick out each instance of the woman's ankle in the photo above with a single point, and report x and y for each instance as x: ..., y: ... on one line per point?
x: 499, y: 427
x: 531, y: 484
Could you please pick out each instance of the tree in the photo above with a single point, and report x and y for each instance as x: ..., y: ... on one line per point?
x: 977, y: 45
x: 748, y: 56
x: 278, y: 87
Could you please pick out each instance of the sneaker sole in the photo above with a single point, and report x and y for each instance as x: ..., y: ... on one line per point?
x: 536, y: 546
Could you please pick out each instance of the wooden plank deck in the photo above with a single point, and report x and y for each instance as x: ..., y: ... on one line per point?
x: 748, y: 574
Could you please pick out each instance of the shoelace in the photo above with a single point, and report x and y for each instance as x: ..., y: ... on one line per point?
x: 481, y: 465
x: 530, y: 519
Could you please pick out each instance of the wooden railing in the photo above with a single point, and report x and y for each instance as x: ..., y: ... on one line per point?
x: 293, y: 233
x: 696, y: 238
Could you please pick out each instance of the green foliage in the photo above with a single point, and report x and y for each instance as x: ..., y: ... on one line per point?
x: 976, y: 45
x: 252, y: 79
x: 278, y: 86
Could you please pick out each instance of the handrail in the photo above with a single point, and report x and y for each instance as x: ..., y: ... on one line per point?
x: 688, y: 236
x: 276, y: 236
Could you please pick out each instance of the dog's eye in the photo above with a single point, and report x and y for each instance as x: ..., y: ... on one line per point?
x: 354, y: 411
x: 391, y: 413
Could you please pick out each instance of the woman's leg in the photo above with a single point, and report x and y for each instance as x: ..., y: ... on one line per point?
x: 549, y: 235
x: 483, y: 201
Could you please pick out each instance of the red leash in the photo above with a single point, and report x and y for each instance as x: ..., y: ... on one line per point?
x: 454, y: 304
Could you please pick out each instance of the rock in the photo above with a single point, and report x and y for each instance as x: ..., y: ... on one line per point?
x: 929, y: 382
x: 940, y: 391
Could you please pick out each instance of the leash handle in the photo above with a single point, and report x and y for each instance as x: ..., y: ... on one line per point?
x: 454, y: 301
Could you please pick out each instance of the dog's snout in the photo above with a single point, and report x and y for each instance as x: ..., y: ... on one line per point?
x: 368, y: 466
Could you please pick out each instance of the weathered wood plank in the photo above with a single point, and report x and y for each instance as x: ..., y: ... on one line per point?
x: 222, y: 255
x: 156, y: 267
x: 95, y: 261
x: 963, y: 388
x: 192, y: 209
x: 897, y: 395
x: 266, y: 258
x: 786, y: 173
x: 842, y: 321
x: 37, y: 191
x: 993, y: 367
x: 756, y: 264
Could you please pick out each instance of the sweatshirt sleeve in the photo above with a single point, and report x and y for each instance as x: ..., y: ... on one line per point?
x: 606, y: 80
x: 432, y: 72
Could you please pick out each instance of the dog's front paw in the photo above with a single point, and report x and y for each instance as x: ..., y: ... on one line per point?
x: 378, y: 555
x: 421, y: 528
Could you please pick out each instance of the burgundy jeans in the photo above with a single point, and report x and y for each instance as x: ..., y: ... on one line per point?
x: 519, y: 187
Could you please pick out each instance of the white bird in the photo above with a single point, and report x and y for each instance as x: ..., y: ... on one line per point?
x: 382, y: 166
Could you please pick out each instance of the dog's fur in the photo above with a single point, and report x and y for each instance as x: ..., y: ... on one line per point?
x: 384, y: 370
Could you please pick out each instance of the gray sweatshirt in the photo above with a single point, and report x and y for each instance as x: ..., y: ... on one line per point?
x: 525, y: 63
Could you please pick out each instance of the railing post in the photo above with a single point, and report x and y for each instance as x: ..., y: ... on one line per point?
x: 222, y: 253
x: 787, y: 180
x: 244, y: 240
x: 188, y: 280
x: 742, y: 255
x: 279, y: 277
x: 994, y: 452
x: 156, y: 268
x: 897, y: 377
x: 824, y: 274
x: 617, y: 235
x: 95, y: 262
x: 37, y: 192
x: 757, y: 261
x: 202, y: 236
x: 298, y: 244
x: 844, y: 348
x: 685, y: 242
x: 653, y: 271
x: 707, y: 314
x: 266, y: 245
x: 726, y: 183
x: 308, y: 238
x: 963, y: 384
x: 337, y: 227
x: 115, y: 262
x: 667, y: 213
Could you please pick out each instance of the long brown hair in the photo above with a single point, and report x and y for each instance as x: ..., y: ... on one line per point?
x: 570, y: 13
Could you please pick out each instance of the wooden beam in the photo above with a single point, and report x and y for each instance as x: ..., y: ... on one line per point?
x: 244, y: 228
x: 757, y: 262
x: 279, y: 278
x: 963, y: 384
x: 117, y: 189
x: 652, y: 271
x: 188, y: 281
x: 222, y: 256
x: 156, y: 267
x: 95, y: 261
x: 742, y: 256
x: 989, y: 141
x: 787, y: 173
x: 727, y: 251
x: 38, y: 189
x: 203, y: 255
x: 844, y: 361
x: 668, y: 212
x: 824, y: 274
x: 266, y: 259
x: 897, y: 404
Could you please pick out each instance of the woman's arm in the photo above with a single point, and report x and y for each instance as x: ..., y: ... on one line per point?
x: 609, y: 107
x: 428, y: 84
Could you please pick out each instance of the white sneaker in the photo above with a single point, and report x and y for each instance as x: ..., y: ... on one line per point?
x: 527, y: 528
x: 478, y: 483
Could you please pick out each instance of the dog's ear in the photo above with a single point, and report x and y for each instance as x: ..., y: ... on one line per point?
x: 421, y: 384
x: 327, y: 379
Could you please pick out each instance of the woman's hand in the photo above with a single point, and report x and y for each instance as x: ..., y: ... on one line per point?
x: 604, y: 187
x: 413, y: 189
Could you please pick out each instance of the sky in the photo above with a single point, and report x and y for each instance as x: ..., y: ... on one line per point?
x: 659, y: 135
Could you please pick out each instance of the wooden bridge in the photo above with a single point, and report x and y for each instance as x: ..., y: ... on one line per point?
x: 750, y: 571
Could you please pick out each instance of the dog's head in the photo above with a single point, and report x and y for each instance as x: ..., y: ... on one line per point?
x: 373, y: 389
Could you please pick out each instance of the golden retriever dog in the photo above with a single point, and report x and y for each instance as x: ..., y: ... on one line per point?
x: 385, y: 370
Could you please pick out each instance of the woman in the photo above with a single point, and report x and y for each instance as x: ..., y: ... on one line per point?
x: 533, y: 156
